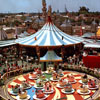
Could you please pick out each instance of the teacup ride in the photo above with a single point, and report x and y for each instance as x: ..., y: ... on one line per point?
x: 84, y: 79
x: 40, y: 95
x: 23, y: 96
x: 15, y: 89
x: 92, y: 84
x: 60, y: 73
x: 33, y: 76
x: 62, y: 83
x: 68, y: 89
x: 71, y: 79
x: 43, y: 78
x: 39, y: 84
x: 55, y: 77
x: 48, y: 88
x: 50, y: 70
x: 84, y: 90
x: 25, y: 85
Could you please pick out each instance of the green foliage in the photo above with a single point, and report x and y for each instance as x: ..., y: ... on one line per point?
x: 88, y: 22
x: 7, y: 24
x: 97, y: 20
x: 23, y: 18
x: 75, y: 13
x: 2, y: 15
x: 72, y: 20
x: 83, y: 10
x: 16, y: 22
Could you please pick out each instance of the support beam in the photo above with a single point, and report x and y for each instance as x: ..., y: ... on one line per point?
x: 38, y: 53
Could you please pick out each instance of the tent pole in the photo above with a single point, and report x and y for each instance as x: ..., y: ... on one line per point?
x: 62, y: 52
x: 38, y: 53
x: 44, y: 67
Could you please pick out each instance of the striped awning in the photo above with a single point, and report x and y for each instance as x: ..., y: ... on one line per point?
x: 7, y: 43
x: 49, y: 35
x: 92, y: 45
x: 50, y: 56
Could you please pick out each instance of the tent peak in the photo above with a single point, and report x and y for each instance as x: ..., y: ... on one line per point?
x: 49, y: 20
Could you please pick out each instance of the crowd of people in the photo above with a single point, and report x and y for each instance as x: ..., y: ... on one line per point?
x: 75, y: 59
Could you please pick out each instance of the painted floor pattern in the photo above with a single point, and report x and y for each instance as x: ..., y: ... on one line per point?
x: 57, y: 91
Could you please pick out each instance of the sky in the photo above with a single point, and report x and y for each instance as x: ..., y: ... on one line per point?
x: 14, y: 6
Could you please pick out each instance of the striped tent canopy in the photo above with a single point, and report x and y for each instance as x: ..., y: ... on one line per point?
x: 49, y: 35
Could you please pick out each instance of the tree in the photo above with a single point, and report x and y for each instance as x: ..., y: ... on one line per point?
x: 16, y: 22
x: 83, y: 10
x: 23, y: 18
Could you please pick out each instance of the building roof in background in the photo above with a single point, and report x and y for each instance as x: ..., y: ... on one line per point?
x: 88, y: 35
x: 49, y: 35
x: 3, y: 34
